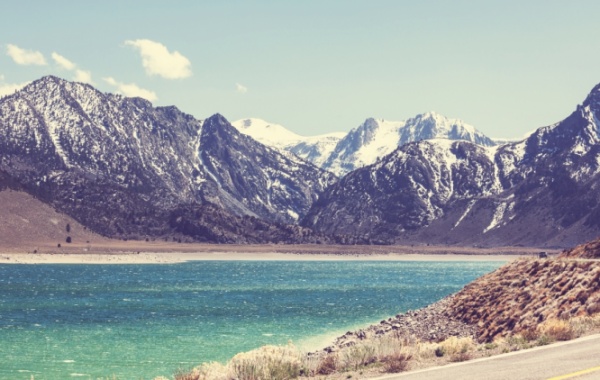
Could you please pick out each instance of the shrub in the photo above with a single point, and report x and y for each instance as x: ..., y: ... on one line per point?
x: 583, y: 324
x: 328, y: 365
x: 440, y: 352
x: 267, y: 362
x: 186, y: 375
x: 454, y: 345
x: 530, y: 334
x: 460, y: 357
x: 557, y: 329
x: 396, y: 363
x: 544, y: 340
x: 359, y: 356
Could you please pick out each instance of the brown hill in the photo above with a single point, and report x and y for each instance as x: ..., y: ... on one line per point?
x: 27, y: 224
x: 590, y: 250
x: 522, y: 294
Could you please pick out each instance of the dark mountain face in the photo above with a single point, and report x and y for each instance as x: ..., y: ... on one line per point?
x: 125, y: 168
x: 271, y: 185
x: 540, y: 191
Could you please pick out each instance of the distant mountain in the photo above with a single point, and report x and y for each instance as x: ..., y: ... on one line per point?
x: 543, y: 190
x: 124, y: 168
x: 376, y: 138
x: 342, y: 153
x: 315, y: 149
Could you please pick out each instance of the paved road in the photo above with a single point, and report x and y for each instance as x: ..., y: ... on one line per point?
x: 576, y: 359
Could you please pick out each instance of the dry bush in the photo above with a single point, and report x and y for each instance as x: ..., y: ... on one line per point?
x: 530, y: 334
x: 584, y: 324
x: 389, y: 345
x: 455, y: 345
x: 328, y: 365
x: 186, y: 375
x: 265, y: 363
x: 207, y: 371
x: 396, y: 363
x: 557, y: 329
x: 460, y: 357
x: 358, y: 356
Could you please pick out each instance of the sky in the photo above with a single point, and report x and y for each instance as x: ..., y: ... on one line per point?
x: 506, y: 67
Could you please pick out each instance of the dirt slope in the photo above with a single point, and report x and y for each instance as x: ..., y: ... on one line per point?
x: 524, y: 293
x: 27, y: 224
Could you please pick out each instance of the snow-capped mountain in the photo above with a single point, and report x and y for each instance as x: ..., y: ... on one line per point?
x: 376, y: 138
x: 544, y: 190
x: 315, y: 149
x: 341, y: 153
x: 125, y: 168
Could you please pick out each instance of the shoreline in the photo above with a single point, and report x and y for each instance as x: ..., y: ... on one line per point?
x: 139, y: 252
x: 182, y: 257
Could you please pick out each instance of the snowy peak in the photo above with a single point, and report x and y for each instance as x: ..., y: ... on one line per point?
x: 314, y: 149
x: 341, y: 153
x: 268, y: 133
x: 431, y: 125
x: 376, y: 138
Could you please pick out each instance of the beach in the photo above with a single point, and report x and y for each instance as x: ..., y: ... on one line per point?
x: 169, y: 253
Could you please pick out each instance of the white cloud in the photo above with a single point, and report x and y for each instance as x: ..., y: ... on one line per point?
x: 80, y: 75
x: 83, y: 76
x: 241, y: 88
x: 157, y: 60
x: 10, y: 88
x: 63, y: 62
x: 131, y: 89
x: 25, y: 57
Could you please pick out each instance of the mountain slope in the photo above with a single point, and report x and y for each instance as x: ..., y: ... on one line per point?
x: 543, y: 190
x: 273, y: 185
x: 125, y: 168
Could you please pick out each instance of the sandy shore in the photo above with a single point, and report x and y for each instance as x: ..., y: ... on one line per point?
x: 178, y: 257
x: 153, y: 252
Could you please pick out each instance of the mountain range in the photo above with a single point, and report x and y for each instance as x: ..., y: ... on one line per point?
x: 126, y: 169
x: 543, y: 190
x: 342, y: 153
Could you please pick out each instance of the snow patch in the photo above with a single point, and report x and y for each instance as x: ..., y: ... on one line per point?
x: 467, y: 210
x: 497, y: 218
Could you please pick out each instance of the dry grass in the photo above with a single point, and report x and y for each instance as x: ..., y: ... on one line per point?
x: 387, y: 354
x: 557, y: 329
x: 395, y: 363
x: 328, y: 365
x: 454, y: 345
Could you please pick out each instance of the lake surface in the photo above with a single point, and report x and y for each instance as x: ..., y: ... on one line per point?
x: 141, y: 321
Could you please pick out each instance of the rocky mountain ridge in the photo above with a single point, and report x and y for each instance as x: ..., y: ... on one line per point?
x: 124, y: 168
x: 539, y: 191
x: 342, y: 153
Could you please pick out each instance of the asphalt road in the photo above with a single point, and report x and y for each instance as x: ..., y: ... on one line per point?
x: 576, y: 359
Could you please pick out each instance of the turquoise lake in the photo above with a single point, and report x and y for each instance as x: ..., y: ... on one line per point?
x: 139, y: 321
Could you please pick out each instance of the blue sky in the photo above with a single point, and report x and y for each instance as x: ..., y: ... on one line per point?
x: 506, y: 67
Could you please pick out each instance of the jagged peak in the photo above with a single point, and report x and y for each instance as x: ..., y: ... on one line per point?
x: 217, y: 119
x: 593, y: 99
x: 216, y: 125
